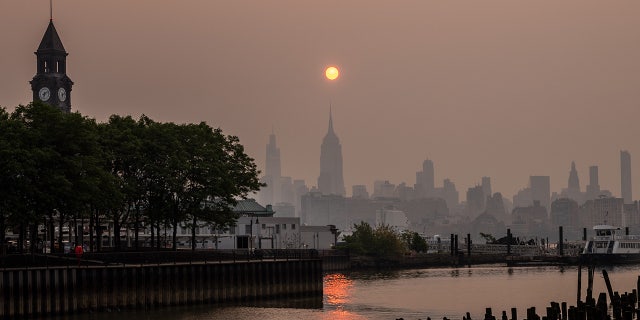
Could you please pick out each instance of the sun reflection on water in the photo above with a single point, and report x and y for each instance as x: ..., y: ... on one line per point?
x: 337, y: 294
x: 336, y: 289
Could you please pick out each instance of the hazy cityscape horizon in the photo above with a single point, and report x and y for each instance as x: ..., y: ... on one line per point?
x: 497, y: 89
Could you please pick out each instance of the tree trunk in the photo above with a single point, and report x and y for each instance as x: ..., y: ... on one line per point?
x: 21, y: 236
x: 3, y: 245
x: 116, y: 230
x: 60, y: 235
x: 175, y: 234
x: 33, y: 236
x: 193, y: 234
x: 91, y: 228
x: 136, y: 227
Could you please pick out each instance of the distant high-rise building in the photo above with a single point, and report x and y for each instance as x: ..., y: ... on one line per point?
x: 451, y: 195
x: 272, y: 192
x: 428, y: 177
x: 486, y: 186
x: 425, y: 180
x: 541, y: 190
x: 384, y: 189
x: 625, y: 176
x: 475, y: 201
x: 573, y: 186
x: 574, y: 181
x: 273, y: 158
x: 330, y: 180
x: 593, y: 189
x: 522, y: 198
x: 359, y: 192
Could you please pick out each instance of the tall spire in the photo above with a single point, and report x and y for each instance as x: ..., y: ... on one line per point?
x: 330, y: 120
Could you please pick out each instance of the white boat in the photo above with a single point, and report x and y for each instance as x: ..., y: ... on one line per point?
x: 611, y: 246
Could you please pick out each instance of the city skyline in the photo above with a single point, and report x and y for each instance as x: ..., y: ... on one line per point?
x: 498, y: 89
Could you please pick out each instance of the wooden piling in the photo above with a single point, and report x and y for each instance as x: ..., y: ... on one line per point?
x: 608, y: 283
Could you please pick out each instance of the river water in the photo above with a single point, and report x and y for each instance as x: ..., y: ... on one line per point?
x: 414, y: 294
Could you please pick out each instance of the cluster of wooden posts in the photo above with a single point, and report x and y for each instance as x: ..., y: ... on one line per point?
x: 623, y: 306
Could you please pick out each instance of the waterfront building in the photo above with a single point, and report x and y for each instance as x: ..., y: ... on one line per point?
x: 565, y: 212
x: 51, y: 84
x: 256, y: 228
x: 610, y: 210
x: 625, y: 176
x: 530, y: 221
x: 318, y: 237
x: 331, y: 181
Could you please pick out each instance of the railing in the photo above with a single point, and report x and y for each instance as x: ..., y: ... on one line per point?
x: 160, y: 257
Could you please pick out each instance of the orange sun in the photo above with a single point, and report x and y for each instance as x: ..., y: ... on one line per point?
x: 332, y: 73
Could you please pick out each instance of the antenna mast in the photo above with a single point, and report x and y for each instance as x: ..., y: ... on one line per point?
x: 51, y: 10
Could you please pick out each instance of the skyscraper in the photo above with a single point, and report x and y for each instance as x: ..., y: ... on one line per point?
x: 593, y: 189
x: 273, y: 158
x: 573, y: 185
x: 486, y: 186
x: 272, y: 193
x: 541, y: 190
x: 574, y: 181
x: 330, y: 180
x: 425, y: 180
x: 625, y: 176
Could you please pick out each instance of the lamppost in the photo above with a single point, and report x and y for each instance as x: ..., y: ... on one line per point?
x: 251, y: 231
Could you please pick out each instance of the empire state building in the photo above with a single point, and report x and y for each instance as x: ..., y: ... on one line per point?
x: 330, y: 180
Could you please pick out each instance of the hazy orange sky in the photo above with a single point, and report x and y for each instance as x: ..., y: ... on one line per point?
x: 504, y: 89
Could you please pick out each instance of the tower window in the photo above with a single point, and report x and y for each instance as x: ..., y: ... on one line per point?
x: 57, y: 66
x: 46, y: 67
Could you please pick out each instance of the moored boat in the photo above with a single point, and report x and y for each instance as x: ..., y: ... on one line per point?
x: 611, y: 246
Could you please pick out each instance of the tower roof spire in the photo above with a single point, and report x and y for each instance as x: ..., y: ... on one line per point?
x: 330, y: 120
x: 51, y: 41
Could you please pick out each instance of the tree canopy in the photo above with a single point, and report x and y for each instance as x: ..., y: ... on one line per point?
x: 383, y: 241
x: 65, y: 168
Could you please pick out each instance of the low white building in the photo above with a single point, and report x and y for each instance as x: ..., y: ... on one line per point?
x: 256, y: 228
x: 317, y: 237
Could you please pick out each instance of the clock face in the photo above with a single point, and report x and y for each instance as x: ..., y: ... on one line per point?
x: 44, y: 94
x: 62, y: 94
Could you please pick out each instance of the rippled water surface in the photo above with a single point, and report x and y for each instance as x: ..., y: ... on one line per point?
x: 414, y: 294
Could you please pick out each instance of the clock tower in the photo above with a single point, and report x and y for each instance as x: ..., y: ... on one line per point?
x: 51, y: 83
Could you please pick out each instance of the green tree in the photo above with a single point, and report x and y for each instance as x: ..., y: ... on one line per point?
x: 382, y: 242
x: 413, y: 241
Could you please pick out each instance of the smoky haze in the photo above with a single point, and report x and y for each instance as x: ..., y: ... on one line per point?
x: 505, y: 89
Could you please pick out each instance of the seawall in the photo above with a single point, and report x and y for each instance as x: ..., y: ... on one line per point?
x: 66, y: 290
